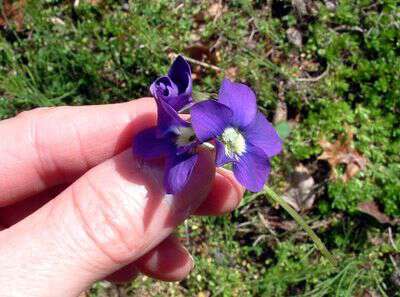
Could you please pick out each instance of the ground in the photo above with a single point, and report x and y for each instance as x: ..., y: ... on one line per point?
x: 326, y: 73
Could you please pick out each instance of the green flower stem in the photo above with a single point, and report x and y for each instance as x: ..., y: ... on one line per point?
x: 317, y: 241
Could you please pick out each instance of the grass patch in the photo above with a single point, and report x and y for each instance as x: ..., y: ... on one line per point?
x: 344, y: 77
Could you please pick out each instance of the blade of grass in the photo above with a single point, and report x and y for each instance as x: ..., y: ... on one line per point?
x: 317, y: 241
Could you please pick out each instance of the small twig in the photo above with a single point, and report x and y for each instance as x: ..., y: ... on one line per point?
x: 266, y: 224
x: 219, y: 13
x: 179, y: 7
x: 203, y: 64
x: 348, y: 28
x: 390, y: 235
x: 259, y: 238
x: 253, y: 30
x: 217, y: 43
x: 391, y: 238
x: 269, y: 53
x: 314, y: 79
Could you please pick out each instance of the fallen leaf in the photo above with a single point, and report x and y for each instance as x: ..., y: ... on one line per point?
x: 300, y: 6
x: 295, y: 37
x: 13, y: 12
x: 301, y: 192
x: 215, y: 10
x: 342, y: 152
x: 371, y: 208
x: 330, y: 5
x: 199, y: 51
x: 202, y: 58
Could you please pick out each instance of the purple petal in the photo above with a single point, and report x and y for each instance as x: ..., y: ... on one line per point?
x: 147, y: 145
x: 181, y: 74
x: 178, y: 171
x: 209, y: 119
x: 240, y: 99
x: 164, y: 89
x: 263, y: 135
x: 220, y: 157
x: 252, y: 169
x: 168, y: 119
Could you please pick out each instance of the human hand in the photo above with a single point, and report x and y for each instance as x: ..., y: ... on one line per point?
x: 76, y: 207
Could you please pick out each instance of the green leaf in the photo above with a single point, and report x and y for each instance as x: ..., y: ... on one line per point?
x: 283, y: 129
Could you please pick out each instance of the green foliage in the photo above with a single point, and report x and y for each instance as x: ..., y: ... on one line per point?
x: 345, y: 76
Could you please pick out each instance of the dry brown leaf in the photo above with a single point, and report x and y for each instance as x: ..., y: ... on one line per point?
x: 202, y: 57
x: 331, y: 5
x: 199, y: 51
x: 215, y: 10
x: 342, y: 152
x: 300, y: 7
x: 13, y: 12
x: 371, y: 208
x: 295, y: 37
x: 301, y: 195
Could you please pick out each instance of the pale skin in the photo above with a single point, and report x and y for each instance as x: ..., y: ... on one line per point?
x: 76, y: 207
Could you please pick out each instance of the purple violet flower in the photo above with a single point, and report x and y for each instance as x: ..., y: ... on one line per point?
x: 176, y: 87
x: 244, y: 137
x: 174, y: 139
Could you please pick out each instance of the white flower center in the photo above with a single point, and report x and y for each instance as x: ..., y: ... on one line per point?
x: 185, y: 136
x: 235, y: 144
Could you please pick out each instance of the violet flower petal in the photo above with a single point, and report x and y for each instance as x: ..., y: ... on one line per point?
x: 220, y: 157
x: 168, y: 120
x: 209, y: 119
x: 164, y: 87
x: 252, y: 169
x: 178, y: 170
x: 147, y: 145
x: 181, y: 74
x: 176, y: 87
x: 262, y: 134
x: 240, y: 99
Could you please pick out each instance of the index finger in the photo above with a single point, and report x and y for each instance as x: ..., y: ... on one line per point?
x: 46, y: 147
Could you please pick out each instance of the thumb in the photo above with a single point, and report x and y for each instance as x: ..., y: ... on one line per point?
x: 108, y: 218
